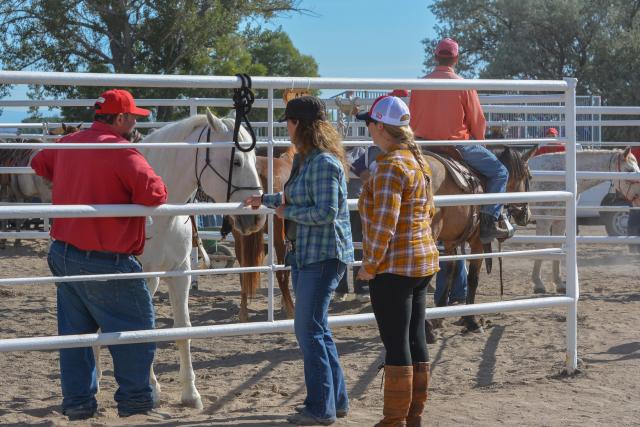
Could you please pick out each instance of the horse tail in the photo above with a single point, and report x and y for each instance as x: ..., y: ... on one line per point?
x: 250, y: 253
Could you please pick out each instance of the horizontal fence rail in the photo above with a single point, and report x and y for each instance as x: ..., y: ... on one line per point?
x: 564, y: 96
x: 199, y: 332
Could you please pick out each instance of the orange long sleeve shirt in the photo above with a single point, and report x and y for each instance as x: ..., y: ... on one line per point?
x: 446, y: 114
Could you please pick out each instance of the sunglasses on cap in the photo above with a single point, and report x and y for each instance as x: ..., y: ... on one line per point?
x: 369, y: 120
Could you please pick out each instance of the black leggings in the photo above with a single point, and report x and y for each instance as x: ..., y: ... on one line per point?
x: 398, y: 304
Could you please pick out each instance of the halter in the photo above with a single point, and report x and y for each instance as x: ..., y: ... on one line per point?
x: 231, y: 188
x: 630, y: 182
x: 243, y: 98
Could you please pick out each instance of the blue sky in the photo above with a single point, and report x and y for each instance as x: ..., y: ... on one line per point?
x: 348, y: 38
x: 363, y: 38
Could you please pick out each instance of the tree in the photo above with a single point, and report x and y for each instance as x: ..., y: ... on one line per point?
x: 596, y: 41
x: 136, y: 36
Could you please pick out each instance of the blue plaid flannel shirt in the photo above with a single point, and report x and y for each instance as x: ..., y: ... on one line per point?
x: 316, y: 200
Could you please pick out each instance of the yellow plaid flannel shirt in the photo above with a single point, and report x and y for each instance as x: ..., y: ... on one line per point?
x: 396, y: 206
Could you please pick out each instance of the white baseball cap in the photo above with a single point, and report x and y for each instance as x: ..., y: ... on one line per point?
x: 389, y: 110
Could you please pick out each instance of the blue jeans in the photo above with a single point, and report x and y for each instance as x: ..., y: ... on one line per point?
x: 486, y: 163
x: 112, y: 306
x: 459, y: 286
x: 313, y: 285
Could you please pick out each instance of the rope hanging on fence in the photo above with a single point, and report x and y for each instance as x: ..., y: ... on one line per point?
x: 243, y: 98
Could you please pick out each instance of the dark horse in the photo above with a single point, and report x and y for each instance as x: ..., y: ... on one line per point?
x: 455, y: 225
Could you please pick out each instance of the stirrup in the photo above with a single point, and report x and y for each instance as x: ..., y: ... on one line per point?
x: 503, y: 220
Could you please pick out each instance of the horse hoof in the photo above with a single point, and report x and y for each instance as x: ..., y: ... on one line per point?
x: 192, y: 402
x: 561, y: 288
x: 539, y: 290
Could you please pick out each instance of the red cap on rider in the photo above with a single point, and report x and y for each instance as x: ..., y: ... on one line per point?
x: 447, y: 48
x: 118, y: 101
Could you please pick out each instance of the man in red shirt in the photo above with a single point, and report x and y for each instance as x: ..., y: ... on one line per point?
x: 102, y: 246
x: 457, y: 115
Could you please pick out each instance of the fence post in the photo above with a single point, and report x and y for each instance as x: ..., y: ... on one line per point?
x: 269, y: 189
x: 573, y: 291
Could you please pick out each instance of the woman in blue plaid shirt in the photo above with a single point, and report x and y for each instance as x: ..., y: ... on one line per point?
x: 314, y: 206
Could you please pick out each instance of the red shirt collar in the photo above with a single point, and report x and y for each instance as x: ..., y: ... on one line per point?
x: 104, y: 128
x: 444, y: 68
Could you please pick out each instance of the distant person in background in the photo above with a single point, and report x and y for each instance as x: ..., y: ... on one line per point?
x: 550, y: 147
x: 457, y: 115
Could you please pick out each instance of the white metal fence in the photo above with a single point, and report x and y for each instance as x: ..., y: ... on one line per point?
x: 564, y: 92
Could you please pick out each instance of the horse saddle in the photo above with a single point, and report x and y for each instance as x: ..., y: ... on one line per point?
x: 467, y: 179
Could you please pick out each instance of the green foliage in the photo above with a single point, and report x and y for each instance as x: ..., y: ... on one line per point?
x: 200, y: 37
x: 596, y: 41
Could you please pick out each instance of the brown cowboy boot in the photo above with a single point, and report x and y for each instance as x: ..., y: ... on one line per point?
x: 397, y: 395
x: 421, y: 372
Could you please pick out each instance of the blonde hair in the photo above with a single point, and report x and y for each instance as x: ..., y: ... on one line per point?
x: 404, y: 135
x: 321, y: 135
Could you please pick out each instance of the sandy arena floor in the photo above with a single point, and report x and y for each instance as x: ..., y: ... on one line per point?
x: 510, y: 375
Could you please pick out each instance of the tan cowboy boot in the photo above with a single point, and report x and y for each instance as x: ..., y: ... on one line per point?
x: 421, y: 372
x: 397, y: 395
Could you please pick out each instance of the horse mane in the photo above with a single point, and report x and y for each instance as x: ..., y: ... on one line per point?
x: 177, y: 131
x: 512, y: 159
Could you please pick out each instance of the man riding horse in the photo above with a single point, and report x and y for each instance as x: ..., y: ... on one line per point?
x: 457, y: 115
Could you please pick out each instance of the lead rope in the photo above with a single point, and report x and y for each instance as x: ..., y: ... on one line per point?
x: 243, y: 98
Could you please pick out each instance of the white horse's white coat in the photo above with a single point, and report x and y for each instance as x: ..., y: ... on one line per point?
x: 587, y: 160
x: 168, y: 245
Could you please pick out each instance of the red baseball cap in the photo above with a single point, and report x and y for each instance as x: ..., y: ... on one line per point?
x: 117, y: 101
x: 552, y: 132
x: 447, y: 48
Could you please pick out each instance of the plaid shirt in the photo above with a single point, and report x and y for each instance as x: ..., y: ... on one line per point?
x: 316, y: 201
x: 396, y: 210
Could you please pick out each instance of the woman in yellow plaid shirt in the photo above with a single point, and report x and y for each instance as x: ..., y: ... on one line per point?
x: 399, y: 257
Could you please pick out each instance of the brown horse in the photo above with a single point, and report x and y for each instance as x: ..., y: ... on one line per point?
x: 250, y: 248
x: 455, y: 225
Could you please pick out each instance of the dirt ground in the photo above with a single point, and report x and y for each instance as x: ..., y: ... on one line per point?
x: 510, y: 375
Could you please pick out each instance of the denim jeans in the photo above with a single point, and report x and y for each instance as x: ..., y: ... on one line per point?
x: 459, y: 286
x: 112, y: 306
x: 486, y: 163
x: 359, y: 286
x: 313, y: 285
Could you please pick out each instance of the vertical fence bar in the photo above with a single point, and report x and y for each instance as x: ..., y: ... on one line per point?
x: 269, y: 189
x: 193, y: 109
x: 571, y: 183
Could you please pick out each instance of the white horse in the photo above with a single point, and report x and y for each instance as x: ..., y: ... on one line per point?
x: 168, y: 245
x: 587, y: 160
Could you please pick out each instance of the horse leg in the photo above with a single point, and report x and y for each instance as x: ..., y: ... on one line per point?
x: 542, y: 229
x: 179, y: 297
x: 152, y: 283
x: 244, y: 304
x: 561, y: 285
x: 472, y: 281
x: 282, y: 276
x: 96, y: 357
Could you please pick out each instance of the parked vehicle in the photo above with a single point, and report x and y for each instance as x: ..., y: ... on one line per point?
x: 603, y: 194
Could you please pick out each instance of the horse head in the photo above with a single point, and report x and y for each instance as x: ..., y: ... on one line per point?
x: 519, y: 178
x: 238, y: 174
x: 625, y: 161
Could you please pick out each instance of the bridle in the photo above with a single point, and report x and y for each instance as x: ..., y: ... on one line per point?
x: 630, y: 182
x: 231, y: 187
x: 243, y: 98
